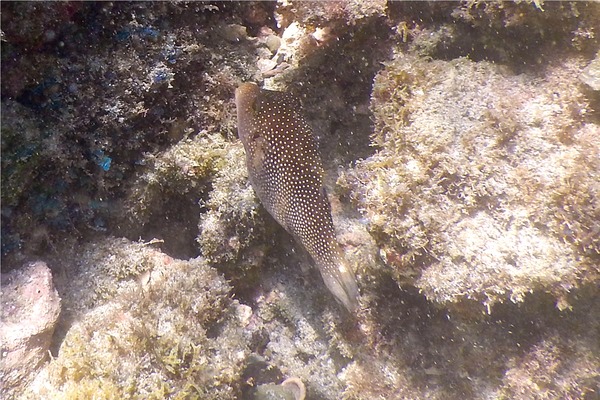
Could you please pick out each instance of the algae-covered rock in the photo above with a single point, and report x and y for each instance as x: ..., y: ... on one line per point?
x: 104, y: 267
x: 107, y: 102
x: 168, y: 329
x: 168, y: 194
x: 528, y: 350
x: 328, y: 13
x: 519, y: 34
x: 485, y: 186
x: 548, y: 371
x: 232, y: 230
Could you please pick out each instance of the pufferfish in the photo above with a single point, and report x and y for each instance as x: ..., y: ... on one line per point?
x: 286, y: 172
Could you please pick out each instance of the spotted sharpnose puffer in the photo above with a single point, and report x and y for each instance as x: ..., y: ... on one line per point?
x: 286, y: 173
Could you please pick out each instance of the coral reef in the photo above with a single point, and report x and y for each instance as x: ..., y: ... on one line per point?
x: 460, y: 148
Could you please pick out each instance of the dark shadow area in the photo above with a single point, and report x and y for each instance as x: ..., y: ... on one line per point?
x: 334, y: 83
x: 521, y: 36
x: 449, y: 348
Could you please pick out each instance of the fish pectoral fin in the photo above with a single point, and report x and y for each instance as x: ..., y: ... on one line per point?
x: 259, y: 153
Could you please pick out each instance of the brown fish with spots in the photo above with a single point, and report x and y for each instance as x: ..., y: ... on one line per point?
x: 286, y: 173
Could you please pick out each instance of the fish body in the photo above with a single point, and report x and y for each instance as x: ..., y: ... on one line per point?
x: 286, y: 172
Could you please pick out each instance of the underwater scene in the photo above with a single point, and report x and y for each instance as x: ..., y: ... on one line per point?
x: 286, y: 200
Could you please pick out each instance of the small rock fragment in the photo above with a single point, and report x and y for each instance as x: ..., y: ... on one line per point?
x: 290, y: 389
x: 233, y: 33
x: 295, y: 386
x: 591, y: 74
x: 273, y: 42
x: 266, y: 65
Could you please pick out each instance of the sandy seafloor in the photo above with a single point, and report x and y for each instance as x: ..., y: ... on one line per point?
x: 461, y: 143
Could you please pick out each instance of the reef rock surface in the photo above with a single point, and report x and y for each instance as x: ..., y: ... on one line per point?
x: 460, y: 147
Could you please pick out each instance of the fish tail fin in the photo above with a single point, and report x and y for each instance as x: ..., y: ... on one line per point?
x: 341, y: 282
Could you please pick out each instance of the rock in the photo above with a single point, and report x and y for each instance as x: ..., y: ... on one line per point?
x: 233, y: 33
x: 591, y: 74
x: 30, y: 309
x: 290, y: 389
x: 194, y: 347
x: 273, y: 42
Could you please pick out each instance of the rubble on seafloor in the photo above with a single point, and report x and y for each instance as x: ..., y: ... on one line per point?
x: 460, y: 142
